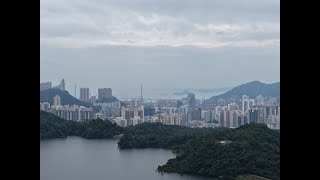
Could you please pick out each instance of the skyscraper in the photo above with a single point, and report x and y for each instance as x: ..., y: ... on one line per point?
x: 233, y: 106
x: 251, y: 103
x: 222, y: 118
x: 253, y: 115
x: 229, y: 119
x: 245, y: 105
x: 235, y: 119
x: 191, y: 100
x: 84, y: 94
x: 104, y: 93
x: 57, y: 100
x: 61, y: 86
x: 93, y: 100
x: 46, y: 85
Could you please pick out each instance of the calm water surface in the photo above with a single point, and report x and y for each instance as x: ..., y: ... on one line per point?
x: 76, y: 158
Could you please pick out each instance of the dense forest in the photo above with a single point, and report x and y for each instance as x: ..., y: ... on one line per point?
x: 52, y: 126
x: 157, y: 135
x: 250, y: 149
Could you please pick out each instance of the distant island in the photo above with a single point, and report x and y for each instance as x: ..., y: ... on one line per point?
x: 192, y: 90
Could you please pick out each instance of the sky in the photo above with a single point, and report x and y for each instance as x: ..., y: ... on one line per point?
x: 159, y: 43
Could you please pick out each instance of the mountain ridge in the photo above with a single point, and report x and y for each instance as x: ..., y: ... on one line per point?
x: 251, y: 89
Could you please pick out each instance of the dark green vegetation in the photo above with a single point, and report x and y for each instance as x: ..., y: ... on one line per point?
x: 251, y: 149
x: 251, y: 89
x: 157, y: 135
x: 52, y: 126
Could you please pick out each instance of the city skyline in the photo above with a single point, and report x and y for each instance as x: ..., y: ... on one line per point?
x: 136, y: 90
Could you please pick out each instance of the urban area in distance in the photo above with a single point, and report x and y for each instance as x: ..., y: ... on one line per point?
x: 231, y: 109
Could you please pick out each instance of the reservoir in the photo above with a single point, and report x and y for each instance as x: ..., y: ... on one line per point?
x: 76, y: 158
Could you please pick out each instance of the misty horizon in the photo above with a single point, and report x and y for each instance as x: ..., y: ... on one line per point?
x: 161, y: 44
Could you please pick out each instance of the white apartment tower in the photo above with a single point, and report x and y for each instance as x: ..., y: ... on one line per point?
x: 57, y: 100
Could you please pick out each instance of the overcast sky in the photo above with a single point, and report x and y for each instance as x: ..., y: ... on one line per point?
x: 160, y: 43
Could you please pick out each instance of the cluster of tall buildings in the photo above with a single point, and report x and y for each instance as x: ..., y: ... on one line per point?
x: 228, y: 113
x: 68, y: 112
x: 103, y: 94
x: 252, y: 111
x: 130, y: 116
x: 48, y: 85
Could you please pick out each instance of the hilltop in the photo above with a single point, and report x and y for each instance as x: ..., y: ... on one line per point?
x: 251, y: 89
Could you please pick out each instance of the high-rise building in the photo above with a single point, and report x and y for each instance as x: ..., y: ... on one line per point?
x: 229, y: 119
x: 73, y: 112
x: 104, y: 93
x: 93, y: 100
x: 84, y: 94
x: 251, y: 103
x: 235, y: 115
x: 242, y: 120
x: 259, y: 99
x: 149, y: 111
x: 132, y: 113
x: 61, y: 86
x: 45, y: 106
x: 191, y: 100
x: 245, y: 105
x: 222, y: 118
x: 46, y: 85
x: 57, y: 100
x: 109, y: 92
x: 194, y: 114
x: 253, y: 115
x: 233, y: 106
x: 172, y: 119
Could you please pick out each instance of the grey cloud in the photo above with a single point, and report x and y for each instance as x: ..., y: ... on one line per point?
x: 206, y: 24
x: 121, y: 43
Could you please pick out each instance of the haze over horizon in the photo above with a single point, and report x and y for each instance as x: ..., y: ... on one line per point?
x: 161, y: 44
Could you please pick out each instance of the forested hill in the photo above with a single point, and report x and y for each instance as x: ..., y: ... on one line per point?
x: 251, y: 89
x: 250, y: 149
x: 52, y: 126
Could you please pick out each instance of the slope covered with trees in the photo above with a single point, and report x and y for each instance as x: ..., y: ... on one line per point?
x: 250, y: 149
x: 157, y: 135
x: 52, y: 126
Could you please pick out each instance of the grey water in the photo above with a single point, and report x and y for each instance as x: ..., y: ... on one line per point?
x: 75, y: 158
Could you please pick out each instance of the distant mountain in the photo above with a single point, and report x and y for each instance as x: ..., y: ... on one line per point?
x: 48, y: 94
x: 66, y: 98
x: 251, y: 89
